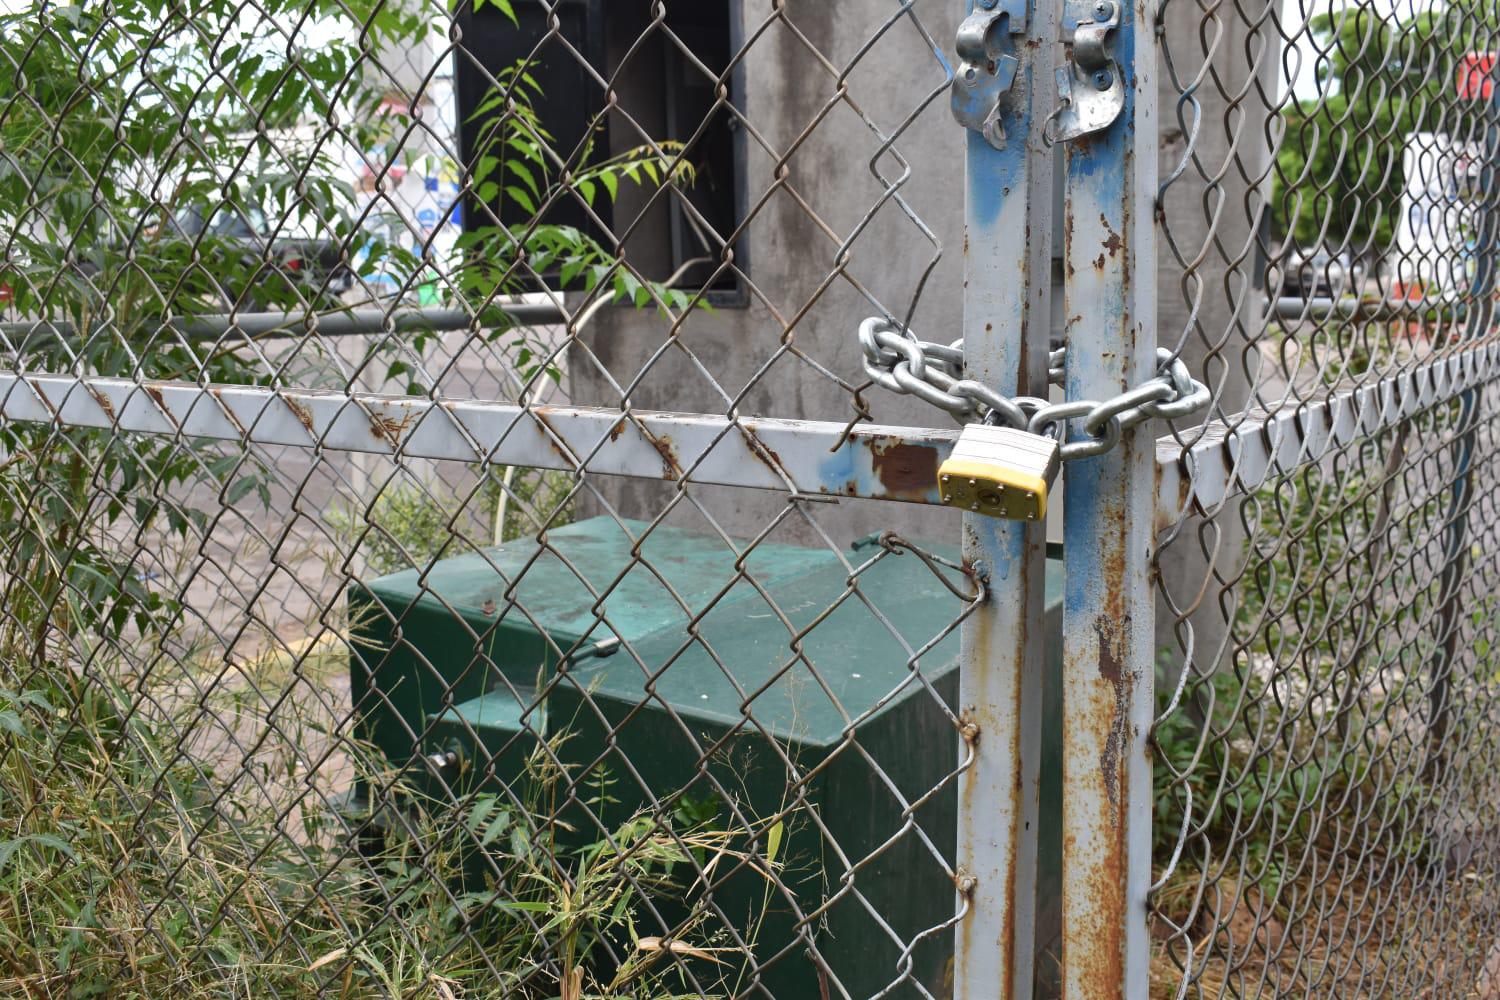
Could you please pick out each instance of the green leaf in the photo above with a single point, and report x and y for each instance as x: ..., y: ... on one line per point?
x: 9, y: 848
x: 240, y: 489
x: 504, y: 6
x: 11, y: 722
x: 521, y: 198
x: 521, y: 171
x: 773, y: 841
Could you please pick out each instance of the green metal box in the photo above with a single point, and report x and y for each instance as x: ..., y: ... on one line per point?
x: 773, y: 686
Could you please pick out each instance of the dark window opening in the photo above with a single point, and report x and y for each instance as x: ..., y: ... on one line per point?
x: 666, y: 88
x: 691, y: 95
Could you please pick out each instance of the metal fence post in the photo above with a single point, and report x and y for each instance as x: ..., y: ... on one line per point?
x: 1110, y: 274
x: 1456, y: 541
x: 1008, y: 227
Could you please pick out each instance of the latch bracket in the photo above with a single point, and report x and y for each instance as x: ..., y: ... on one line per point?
x: 987, y: 65
x: 1090, y: 87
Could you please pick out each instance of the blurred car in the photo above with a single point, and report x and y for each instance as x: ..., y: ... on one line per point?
x: 1316, y: 274
x: 313, y: 267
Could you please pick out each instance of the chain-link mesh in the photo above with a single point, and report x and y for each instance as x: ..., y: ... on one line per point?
x: 1324, y: 778
x: 332, y: 660
x: 339, y: 715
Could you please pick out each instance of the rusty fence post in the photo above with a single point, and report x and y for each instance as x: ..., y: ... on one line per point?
x: 1007, y: 303
x: 1110, y: 282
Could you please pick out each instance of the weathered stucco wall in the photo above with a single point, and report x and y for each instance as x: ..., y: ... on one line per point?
x: 809, y: 187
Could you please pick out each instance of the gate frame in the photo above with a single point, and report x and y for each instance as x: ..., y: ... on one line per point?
x: 1007, y: 323
x: 1109, y: 268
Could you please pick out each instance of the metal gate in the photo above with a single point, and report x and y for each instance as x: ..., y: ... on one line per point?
x: 473, y: 524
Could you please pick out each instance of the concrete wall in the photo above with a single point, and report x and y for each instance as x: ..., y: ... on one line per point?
x: 806, y: 196
x: 810, y: 186
x: 1207, y: 303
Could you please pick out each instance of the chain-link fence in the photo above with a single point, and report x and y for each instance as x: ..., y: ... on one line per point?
x: 1325, y: 758
x: 335, y: 660
x: 457, y: 542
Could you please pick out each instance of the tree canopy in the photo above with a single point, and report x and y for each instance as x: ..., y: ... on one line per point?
x: 1380, y: 79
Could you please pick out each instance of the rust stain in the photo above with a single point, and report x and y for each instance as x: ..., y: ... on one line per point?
x: 904, y: 469
x: 228, y: 413
x: 1113, y: 244
x: 103, y: 401
x: 1068, y: 240
x: 968, y: 727
x: 1114, y: 639
x: 553, y: 438
x: 770, y: 453
x: 303, y: 414
x: 36, y: 389
x: 389, y: 429
x: 1164, y: 520
x: 160, y: 400
x: 671, y: 470
x: 765, y: 454
x: 617, y: 430
x: 1099, y: 262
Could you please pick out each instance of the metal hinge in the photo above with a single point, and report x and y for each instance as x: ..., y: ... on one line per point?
x: 1090, y: 88
x: 987, y: 65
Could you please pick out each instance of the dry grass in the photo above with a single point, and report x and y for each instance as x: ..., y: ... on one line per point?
x: 1413, y: 934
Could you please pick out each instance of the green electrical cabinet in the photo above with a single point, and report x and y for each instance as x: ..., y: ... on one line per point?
x: 768, y: 686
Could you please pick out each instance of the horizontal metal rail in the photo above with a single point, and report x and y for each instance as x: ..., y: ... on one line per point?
x: 343, y: 322
x: 1323, y: 307
x: 1238, y: 458
x: 796, y: 456
x: 815, y: 458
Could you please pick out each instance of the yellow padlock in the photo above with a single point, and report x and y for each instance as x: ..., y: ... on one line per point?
x: 1000, y: 472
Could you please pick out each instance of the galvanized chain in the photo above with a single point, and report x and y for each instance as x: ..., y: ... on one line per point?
x: 934, y: 372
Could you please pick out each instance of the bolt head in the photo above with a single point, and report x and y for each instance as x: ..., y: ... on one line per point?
x: 1104, y: 79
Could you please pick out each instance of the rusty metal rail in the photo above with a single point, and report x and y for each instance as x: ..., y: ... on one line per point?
x: 805, y: 458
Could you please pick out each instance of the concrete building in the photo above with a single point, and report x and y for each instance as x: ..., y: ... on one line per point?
x: 846, y: 183
x: 830, y: 217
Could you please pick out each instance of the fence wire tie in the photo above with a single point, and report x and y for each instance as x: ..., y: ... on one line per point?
x: 933, y: 372
x: 895, y: 544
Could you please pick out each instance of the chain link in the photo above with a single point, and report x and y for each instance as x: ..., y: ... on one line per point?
x: 933, y: 372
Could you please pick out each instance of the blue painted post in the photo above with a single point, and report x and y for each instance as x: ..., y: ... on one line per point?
x: 1006, y: 319
x: 1110, y: 276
